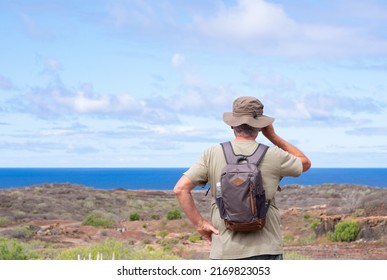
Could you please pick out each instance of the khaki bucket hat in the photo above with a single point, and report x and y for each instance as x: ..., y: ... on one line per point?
x: 247, y: 110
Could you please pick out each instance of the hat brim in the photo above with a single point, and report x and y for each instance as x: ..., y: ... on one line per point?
x: 259, y: 122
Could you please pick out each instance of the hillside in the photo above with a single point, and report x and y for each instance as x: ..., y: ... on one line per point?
x: 54, y: 214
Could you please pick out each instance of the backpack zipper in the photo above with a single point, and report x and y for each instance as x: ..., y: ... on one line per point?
x: 252, y: 202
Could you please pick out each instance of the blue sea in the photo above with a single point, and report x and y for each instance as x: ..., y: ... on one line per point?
x: 165, y: 178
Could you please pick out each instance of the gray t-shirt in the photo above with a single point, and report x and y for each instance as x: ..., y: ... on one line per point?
x: 275, y: 165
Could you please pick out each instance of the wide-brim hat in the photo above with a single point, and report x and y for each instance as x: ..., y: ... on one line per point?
x: 247, y: 110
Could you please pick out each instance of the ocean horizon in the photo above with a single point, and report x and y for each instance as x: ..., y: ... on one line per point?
x: 166, y: 178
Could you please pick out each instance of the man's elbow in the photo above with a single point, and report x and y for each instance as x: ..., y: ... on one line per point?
x: 182, y: 186
x: 177, y: 190
x: 306, y: 164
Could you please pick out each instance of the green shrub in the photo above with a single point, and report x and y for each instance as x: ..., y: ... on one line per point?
x: 194, y: 237
x: 174, y: 215
x: 149, y: 253
x: 97, y: 219
x: 107, y: 250
x: 11, y: 249
x: 163, y: 233
x: 307, y: 216
x: 118, y: 250
x: 314, y: 223
x: 307, y: 239
x: 294, y: 256
x: 345, y: 231
x: 24, y: 231
x: 167, y: 243
x: 134, y: 217
x: 3, y: 221
x: 358, y: 212
x: 288, y: 238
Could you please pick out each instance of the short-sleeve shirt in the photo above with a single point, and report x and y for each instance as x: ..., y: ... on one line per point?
x: 275, y: 165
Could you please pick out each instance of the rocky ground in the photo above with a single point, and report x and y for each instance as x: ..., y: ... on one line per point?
x: 55, y: 213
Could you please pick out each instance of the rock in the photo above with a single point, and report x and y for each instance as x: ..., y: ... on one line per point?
x: 327, y: 223
x: 373, y: 228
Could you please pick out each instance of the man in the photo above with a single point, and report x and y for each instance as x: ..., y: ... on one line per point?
x: 282, y: 159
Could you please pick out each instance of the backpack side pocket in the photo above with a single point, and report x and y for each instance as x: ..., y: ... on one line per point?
x: 219, y: 200
x: 260, y: 200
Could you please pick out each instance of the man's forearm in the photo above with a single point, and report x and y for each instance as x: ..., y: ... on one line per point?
x: 187, y: 203
x: 286, y: 146
x: 183, y: 194
x: 294, y: 151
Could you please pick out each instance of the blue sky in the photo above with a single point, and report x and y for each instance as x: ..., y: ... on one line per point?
x: 133, y: 83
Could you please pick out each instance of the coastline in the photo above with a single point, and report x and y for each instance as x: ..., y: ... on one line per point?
x: 165, y: 178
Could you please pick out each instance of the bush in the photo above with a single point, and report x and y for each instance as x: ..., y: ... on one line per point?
x: 194, y: 238
x: 97, y: 219
x: 11, y: 249
x: 149, y: 253
x: 288, y: 238
x: 163, y: 233
x: 174, y: 215
x: 110, y: 249
x: 294, y: 256
x: 307, y: 216
x: 345, y: 231
x: 314, y: 223
x: 107, y: 250
x: 358, y: 212
x: 134, y: 217
x: 4, y: 221
x: 24, y: 231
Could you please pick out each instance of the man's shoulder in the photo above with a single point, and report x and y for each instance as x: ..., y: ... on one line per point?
x: 277, y: 151
x: 214, y: 149
x: 277, y: 156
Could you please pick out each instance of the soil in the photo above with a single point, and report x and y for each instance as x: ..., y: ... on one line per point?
x: 55, y: 214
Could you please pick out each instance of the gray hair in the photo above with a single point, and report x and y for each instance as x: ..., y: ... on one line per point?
x: 246, y: 130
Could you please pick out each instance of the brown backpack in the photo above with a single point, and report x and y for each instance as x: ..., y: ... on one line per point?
x: 240, y: 195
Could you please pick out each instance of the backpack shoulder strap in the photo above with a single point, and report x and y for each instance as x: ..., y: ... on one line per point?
x: 228, y: 152
x: 258, y: 154
x: 231, y: 157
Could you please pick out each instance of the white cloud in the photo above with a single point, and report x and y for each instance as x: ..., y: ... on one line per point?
x: 81, y: 103
x: 60, y: 101
x: 369, y: 131
x: 262, y: 27
x: 178, y: 60
x: 6, y: 83
x: 53, y: 65
x: 272, y: 81
x: 256, y: 26
x: 137, y: 13
x: 248, y: 20
x: 323, y: 109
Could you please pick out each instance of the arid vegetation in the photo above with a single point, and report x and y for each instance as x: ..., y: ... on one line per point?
x: 63, y: 221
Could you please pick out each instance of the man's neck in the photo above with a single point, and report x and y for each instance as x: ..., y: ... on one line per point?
x: 244, y: 138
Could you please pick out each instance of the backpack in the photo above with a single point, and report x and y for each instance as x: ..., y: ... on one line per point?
x: 239, y: 194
